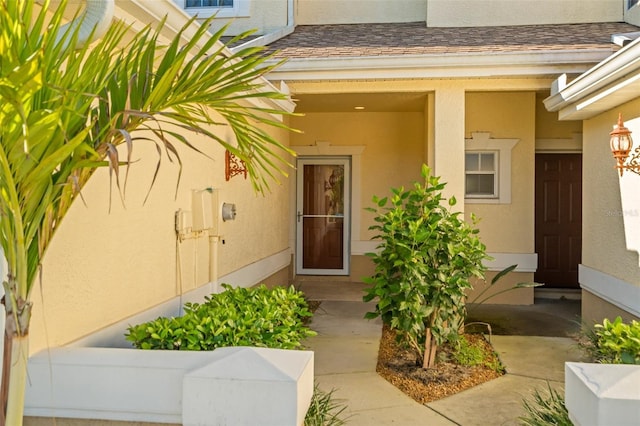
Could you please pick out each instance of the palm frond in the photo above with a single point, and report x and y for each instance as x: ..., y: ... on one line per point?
x: 65, y: 112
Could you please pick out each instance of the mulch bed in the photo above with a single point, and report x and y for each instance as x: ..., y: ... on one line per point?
x: 398, y: 367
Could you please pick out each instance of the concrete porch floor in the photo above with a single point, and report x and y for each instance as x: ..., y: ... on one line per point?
x: 346, y: 350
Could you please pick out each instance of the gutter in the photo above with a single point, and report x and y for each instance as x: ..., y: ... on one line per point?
x: 447, y: 65
x: 618, y: 67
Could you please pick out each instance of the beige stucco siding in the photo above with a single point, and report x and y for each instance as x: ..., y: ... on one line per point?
x: 507, y: 228
x: 549, y: 127
x: 318, y: 12
x: 603, y: 229
x: 393, y: 155
x: 105, y: 266
x: 263, y: 16
x: 478, y: 13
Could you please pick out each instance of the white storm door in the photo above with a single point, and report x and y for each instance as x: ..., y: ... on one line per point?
x: 323, y: 207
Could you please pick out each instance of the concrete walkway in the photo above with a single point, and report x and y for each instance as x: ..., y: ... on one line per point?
x: 346, y: 351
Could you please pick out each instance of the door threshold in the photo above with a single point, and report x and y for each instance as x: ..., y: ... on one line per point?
x: 558, y: 293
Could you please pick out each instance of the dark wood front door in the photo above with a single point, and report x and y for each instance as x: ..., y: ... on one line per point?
x: 558, y: 223
x: 322, y: 216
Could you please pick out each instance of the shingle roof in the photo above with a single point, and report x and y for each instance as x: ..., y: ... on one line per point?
x: 415, y: 38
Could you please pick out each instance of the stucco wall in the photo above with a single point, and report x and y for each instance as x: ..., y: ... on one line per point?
x: 264, y: 16
x: 594, y: 310
x: 393, y: 155
x: 102, y: 267
x: 470, y: 13
x: 318, y: 12
x: 603, y: 229
x: 507, y: 228
x: 549, y: 127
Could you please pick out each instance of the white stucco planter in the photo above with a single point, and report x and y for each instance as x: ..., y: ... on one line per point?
x: 184, y: 387
x: 602, y: 394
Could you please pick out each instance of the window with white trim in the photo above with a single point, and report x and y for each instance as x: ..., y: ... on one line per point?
x: 488, y: 169
x: 219, y: 8
x: 208, y: 3
x: 481, y: 174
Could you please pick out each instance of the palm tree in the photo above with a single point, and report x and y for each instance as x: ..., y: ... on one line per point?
x: 65, y: 109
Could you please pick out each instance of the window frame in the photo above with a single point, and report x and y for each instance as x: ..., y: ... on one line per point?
x: 494, y: 172
x: 482, y: 141
x: 240, y: 8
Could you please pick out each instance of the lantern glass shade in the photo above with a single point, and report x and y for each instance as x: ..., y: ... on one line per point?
x: 621, y: 142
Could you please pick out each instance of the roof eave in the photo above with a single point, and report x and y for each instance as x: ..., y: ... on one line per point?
x: 611, y: 82
x: 441, y: 65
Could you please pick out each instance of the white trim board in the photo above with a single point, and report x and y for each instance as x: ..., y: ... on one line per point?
x: 258, y: 271
x: 527, y: 262
x: 450, y: 65
x: 620, y: 293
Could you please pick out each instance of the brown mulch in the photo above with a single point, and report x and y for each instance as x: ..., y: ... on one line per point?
x: 398, y: 367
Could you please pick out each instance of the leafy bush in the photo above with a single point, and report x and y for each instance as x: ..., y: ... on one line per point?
x: 608, y: 343
x: 324, y: 410
x: 546, y: 410
x: 257, y: 316
x: 427, y: 256
x: 614, y: 342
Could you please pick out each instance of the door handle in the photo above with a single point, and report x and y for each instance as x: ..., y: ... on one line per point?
x: 299, y: 216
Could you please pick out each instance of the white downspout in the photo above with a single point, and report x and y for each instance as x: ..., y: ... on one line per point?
x: 290, y: 13
x: 96, y: 18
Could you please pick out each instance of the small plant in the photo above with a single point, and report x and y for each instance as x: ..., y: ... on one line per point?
x: 614, y: 342
x: 469, y: 354
x: 546, y: 410
x: 324, y: 410
x: 474, y: 353
x: 257, y: 316
x: 481, y: 298
x: 427, y: 256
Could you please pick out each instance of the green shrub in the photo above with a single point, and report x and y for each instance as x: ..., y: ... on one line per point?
x: 546, y: 410
x: 608, y: 343
x: 257, y: 316
x: 615, y: 342
x: 427, y: 256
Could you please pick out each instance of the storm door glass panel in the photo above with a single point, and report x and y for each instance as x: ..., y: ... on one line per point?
x: 323, y: 216
x: 322, y: 222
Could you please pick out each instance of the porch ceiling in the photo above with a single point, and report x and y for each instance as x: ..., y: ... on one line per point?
x: 372, y: 102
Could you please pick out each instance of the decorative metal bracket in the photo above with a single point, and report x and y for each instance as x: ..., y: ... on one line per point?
x: 631, y: 163
x: 233, y: 166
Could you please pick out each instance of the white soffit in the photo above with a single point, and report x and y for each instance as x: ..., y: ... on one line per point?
x: 451, y: 65
x: 613, y: 81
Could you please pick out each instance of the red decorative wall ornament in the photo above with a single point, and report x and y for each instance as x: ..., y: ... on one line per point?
x: 233, y: 166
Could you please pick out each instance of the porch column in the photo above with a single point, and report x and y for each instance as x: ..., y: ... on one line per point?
x: 447, y: 147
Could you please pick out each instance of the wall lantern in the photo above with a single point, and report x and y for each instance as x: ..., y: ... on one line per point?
x: 621, y: 145
x: 233, y: 166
